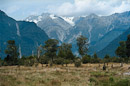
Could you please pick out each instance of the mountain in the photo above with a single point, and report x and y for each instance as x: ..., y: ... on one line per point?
x: 55, y: 26
x: 110, y: 49
x: 100, y: 30
x: 27, y: 35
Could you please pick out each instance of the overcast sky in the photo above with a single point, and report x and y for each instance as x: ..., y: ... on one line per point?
x: 20, y: 9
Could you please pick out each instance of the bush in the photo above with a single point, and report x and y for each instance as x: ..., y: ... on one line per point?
x: 1, y: 62
x: 86, y: 59
x: 50, y: 63
x: 29, y: 61
x: 94, y: 80
x: 77, y: 63
x: 111, y: 79
x: 59, y: 61
x: 43, y: 60
x: 66, y: 62
x: 124, y: 82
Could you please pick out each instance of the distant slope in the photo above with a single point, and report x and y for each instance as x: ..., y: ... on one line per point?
x: 100, y: 30
x: 110, y: 49
x: 26, y: 34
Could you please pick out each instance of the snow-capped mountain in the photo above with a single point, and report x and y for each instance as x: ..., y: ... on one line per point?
x: 69, y: 20
x: 100, y: 30
x: 55, y: 26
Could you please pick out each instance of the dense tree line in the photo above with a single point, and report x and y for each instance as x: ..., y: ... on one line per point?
x: 53, y: 53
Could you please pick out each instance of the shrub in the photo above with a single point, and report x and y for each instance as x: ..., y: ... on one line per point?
x: 43, y: 60
x: 77, y: 63
x: 86, y: 59
x: 29, y: 61
x: 124, y: 82
x: 50, y: 63
x: 66, y: 62
x: 59, y: 61
x: 1, y: 62
x: 94, y: 80
x: 111, y: 79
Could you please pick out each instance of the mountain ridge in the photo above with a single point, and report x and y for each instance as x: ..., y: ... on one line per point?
x: 98, y: 29
x: 27, y: 35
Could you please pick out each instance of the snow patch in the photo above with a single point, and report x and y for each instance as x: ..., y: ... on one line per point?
x: 29, y: 20
x: 18, y: 31
x: 100, y: 35
x: 53, y: 16
x: 69, y: 20
x: 36, y: 20
x: 39, y: 18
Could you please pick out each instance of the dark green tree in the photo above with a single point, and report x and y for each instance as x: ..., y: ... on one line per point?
x: 66, y: 53
x: 95, y: 58
x: 1, y: 62
x: 121, y: 50
x: 77, y: 63
x: 107, y: 59
x: 50, y: 48
x: 61, y: 54
x: 86, y: 59
x: 43, y: 60
x: 82, y: 43
x: 128, y: 46
x: 12, y: 53
x: 30, y: 61
x: 22, y: 60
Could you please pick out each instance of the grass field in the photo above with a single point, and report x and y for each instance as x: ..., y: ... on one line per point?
x: 86, y: 75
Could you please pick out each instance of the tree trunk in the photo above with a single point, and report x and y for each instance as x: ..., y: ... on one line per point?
x: 66, y: 65
x: 99, y: 65
x: 121, y: 64
x: 112, y: 66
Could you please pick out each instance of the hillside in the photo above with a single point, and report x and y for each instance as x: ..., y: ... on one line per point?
x: 27, y: 35
x: 110, y: 49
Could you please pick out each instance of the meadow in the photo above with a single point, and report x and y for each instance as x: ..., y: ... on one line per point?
x: 57, y: 75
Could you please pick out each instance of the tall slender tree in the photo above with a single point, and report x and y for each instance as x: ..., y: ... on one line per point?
x: 50, y: 48
x: 128, y: 46
x: 82, y: 43
x: 121, y: 50
x: 65, y: 51
x: 12, y: 53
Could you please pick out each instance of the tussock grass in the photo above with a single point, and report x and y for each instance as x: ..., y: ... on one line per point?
x: 86, y: 75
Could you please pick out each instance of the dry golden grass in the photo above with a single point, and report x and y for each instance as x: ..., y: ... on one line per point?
x: 58, y: 75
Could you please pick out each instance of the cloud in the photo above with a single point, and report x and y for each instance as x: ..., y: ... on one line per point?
x: 20, y: 9
x: 86, y: 7
x: 12, y: 9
